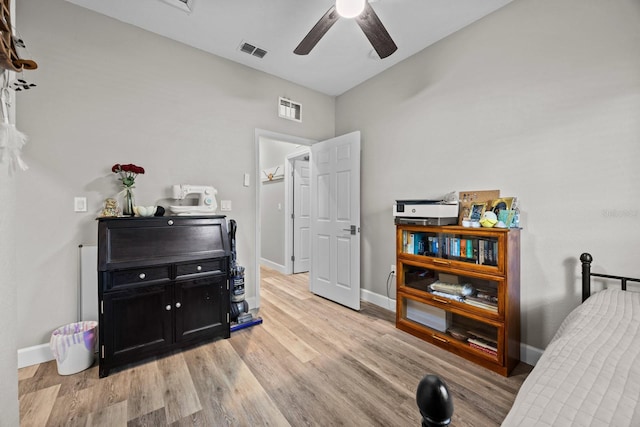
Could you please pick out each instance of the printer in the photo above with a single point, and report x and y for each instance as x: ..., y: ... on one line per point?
x: 426, y: 212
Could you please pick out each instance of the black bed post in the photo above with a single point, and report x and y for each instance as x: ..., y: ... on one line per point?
x: 434, y: 401
x: 586, y: 275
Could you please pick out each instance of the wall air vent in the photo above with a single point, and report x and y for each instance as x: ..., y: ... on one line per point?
x: 186, y: 5
x: 288, y: 109
x: 252, y: 50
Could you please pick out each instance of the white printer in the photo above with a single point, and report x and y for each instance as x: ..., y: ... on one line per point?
x: 426, y: 212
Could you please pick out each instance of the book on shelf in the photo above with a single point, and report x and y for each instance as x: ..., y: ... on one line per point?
x: 418, y: 243
x: 483, y: 344
x: 409, y: 247
x: 483, y: 338
x: 481, y: 304
x: 482, y: 348
x: 487, y: 294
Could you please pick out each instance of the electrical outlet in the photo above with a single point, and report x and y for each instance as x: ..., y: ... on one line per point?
x: 393, y: 269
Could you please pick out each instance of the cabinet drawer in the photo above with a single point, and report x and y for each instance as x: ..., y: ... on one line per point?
x: 138, y: 276
x: 199, y: 267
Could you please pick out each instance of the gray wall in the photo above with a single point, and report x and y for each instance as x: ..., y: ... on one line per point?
x: 272, y: 208
x: 8, y: 302
x: 541, y: 100
x: 110, y: 93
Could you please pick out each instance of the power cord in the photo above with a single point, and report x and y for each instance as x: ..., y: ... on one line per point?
x: 391, y: 274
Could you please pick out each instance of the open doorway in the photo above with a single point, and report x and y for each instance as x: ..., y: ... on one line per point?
x: 276, y: 155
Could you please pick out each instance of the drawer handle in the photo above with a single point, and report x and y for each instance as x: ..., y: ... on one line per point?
x: 441, y: 262
x: 168, y: 307
x: 199, y: 268
x: 142, y: 275
x: 170, y: 222
x: 440, y: 300
x: 178, y: 305
x: 435, y: 337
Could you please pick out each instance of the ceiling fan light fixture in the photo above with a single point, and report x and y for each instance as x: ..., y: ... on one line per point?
x: 350, y: 8
x: 185, y: 5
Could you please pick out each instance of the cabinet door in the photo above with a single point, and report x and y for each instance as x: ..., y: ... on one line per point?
x: 137, y: 323
x: 201, y: 307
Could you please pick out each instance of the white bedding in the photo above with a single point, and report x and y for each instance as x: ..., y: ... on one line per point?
x: 589, y: 375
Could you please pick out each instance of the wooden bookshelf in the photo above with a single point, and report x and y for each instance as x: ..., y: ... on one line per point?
x: 459, y: 288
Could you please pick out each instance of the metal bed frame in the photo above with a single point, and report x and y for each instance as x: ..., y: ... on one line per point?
x: 586, y: 260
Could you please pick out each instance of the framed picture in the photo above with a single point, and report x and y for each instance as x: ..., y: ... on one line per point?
x: 476, y: 210
x: 504, y: 203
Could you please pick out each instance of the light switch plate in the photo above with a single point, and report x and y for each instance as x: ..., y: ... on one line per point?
x: 247, y: 177
x: 79, y: 204
x: 225, y: 205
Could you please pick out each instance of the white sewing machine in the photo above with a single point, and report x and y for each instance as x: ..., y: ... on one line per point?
x: 206, y: 199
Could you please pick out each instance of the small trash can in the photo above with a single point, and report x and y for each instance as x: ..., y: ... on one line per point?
x: 73, y: 346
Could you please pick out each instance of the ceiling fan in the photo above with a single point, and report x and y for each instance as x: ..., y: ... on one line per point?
x: 366, y: 18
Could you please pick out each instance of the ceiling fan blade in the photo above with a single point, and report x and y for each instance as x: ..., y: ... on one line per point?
x: 316, y: 33
x: 376, y: 32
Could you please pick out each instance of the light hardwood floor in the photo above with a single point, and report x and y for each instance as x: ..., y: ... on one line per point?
x: 311, y: 362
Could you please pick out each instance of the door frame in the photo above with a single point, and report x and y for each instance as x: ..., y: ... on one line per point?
x: 301, y: 153
x: 259, y: 135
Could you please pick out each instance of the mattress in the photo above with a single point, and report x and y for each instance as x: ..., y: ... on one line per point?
x: 589, y: 375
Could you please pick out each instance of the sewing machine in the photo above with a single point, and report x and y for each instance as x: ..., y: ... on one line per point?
x: 206, y: 199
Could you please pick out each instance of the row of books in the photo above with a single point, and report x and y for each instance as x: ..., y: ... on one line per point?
x: 479, y: 250
x: 484, y: 298
x: 482, y: 342
x: 475, y: 339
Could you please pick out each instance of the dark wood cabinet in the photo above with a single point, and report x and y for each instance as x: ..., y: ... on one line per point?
x: 163, y: 284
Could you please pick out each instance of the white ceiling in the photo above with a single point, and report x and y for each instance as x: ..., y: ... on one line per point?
x: 341, y: 60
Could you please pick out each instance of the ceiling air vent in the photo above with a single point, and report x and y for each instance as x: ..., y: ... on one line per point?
x: 186, y: 5
x: 252, y: 50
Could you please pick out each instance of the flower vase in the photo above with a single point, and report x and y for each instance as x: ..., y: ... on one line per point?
x: 127, y: 207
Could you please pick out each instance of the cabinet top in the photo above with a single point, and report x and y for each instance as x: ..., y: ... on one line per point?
x: 148, y: 218
x: 130, y: 242
x: 456, y: 228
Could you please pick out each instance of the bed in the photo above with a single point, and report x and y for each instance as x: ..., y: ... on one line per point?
x: 589, y: 374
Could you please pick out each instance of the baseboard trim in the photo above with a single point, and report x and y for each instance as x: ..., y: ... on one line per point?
x: 270, y: 264
x: 379, y: 300
x: 33, y: 355
x: 530, y: 354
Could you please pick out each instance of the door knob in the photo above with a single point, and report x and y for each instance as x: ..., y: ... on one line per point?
x: 178, y: 305
x: 351, y: 230
x: 168, y: 307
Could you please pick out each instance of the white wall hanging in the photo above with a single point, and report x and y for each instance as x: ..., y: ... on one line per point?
x: 273, y: 174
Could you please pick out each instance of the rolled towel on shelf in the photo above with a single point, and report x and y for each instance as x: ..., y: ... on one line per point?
x: 462, y: 290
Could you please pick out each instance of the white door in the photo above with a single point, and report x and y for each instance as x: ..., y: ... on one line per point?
x: 301, y: 216
x: 335, y: 219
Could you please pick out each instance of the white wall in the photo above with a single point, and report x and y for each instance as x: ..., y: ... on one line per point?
x: 110, y: 93
x: 540, y: 100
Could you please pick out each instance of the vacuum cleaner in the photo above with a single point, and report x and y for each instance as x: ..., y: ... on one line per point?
x: 239, y: 314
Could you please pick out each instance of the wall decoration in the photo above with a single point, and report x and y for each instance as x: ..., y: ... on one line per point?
x: 273, y: 174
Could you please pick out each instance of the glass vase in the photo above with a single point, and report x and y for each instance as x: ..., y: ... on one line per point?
x: 129, y: 202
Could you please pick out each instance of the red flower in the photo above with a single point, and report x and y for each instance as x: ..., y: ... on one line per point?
x: 127, y: 172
